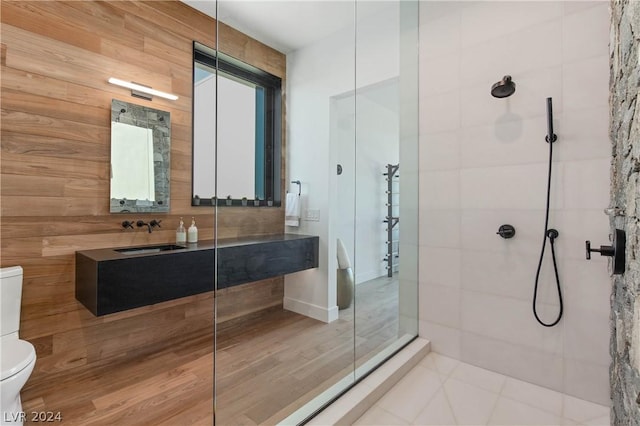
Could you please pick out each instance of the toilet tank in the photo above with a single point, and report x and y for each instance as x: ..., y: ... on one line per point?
x: 10, y: 299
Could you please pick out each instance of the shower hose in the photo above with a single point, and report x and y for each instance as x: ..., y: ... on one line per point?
x: 552, y: 234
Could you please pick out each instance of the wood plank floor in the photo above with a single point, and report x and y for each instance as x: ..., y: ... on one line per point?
x: 268, y: 365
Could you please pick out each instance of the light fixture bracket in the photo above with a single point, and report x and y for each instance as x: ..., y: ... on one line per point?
x: 140, y: 94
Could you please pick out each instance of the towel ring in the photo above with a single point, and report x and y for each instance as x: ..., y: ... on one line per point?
x: 297, y: 182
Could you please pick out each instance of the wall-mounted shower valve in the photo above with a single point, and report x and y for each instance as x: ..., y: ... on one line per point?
x: 616, y: 251
x: 506, y: 231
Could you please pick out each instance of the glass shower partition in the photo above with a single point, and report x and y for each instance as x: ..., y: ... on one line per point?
x: 288, y: 345
x: 386, y: 201
x: 279, y: 340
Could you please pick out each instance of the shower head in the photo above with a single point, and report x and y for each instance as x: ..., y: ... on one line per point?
x: 504, y: 88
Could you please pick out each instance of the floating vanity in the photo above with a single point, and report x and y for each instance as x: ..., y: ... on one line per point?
x: 116, y: 279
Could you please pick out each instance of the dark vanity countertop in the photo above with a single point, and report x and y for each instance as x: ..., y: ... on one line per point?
x: 110, y: 253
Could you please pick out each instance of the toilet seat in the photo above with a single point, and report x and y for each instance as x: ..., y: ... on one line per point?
x: 15, y: 356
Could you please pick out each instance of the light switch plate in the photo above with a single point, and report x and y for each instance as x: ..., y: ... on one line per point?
x: 312, y: 215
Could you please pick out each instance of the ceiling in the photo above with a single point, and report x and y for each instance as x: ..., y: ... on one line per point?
x: 285, y: 25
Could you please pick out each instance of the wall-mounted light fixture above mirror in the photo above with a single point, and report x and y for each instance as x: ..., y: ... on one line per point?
x: 244, y: 160
x: 140, y: 158
x: 142, y: 91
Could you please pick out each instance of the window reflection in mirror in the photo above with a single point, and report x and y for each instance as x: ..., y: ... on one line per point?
x: 248, y: 129
x: 140, y: 158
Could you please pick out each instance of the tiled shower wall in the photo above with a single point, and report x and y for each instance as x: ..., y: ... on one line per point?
x: 483, y: 163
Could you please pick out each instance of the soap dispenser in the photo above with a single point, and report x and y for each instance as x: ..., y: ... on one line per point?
x: 181, y: 233
x: 192, y: 233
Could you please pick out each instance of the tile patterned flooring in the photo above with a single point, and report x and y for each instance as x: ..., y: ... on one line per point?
x: 444, y: 391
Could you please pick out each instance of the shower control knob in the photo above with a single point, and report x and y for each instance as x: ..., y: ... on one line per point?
x: 616, y: 251
x: 603, y: 250
x: 506, y: 231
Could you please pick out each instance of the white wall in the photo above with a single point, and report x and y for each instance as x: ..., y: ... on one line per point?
x: 483, y: 164
x: 378, y: 144
x: 315, y: 75
x: 361, y: 189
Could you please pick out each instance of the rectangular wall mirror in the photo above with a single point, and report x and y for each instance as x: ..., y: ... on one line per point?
x: 140, y: 158
x: 247, y: 153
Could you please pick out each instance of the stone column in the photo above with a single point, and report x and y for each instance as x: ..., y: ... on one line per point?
x: 625, y: 194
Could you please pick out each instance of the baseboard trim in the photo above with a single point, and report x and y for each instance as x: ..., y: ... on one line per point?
x: 310, y: 310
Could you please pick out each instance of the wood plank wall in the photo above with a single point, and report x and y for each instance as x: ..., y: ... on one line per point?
x: 56, y: 58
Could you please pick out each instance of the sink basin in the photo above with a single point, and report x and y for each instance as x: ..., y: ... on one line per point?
x: 149, y: 249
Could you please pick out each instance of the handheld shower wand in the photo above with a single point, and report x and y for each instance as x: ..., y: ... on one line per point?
x: 551, y: 234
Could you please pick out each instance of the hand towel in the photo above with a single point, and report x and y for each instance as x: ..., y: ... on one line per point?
x: 292, y: 210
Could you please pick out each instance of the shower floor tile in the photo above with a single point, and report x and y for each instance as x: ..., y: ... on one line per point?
x: 462, y: 394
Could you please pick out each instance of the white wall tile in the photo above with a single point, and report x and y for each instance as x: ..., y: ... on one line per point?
x: 440, y: 74
x: 431, y: 11
x: 586, y: 335
x: 440, y: 112
x: 440, y: 266
x: 585, y: 83
x: 551, y: 49
x: 514, y: 54
x: 509, y: 320
x: 571, y: 7
x: 440, y: 228
x: 582, y: 134
x: 485, y: 21
x: 440, y: 151
x: 512, y: 187
x: 444, y: 340
x: 478, y: 107
x: 587, y: 380
x: 522, y: 362
x: 586, y: 184
x: 586, y: 33
x: 440, y: 189
x: 587, y: 286
x: 479, y: 227
x: 441, y: 36
x: 506, y: 274
x: 519, y: 141
x: 440, y: 305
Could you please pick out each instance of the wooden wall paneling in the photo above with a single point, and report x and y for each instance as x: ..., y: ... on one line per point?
x: 51, y: 146
x: 27, y: 82
x: 182, y: 20
x: 35, y: 18
x: 13, y: 100
x: 42, y: 125
x: 251, y: 51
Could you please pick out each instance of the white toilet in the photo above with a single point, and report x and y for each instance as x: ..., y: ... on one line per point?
x: 17, y: 357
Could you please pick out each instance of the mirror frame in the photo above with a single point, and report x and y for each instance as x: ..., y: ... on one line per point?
x: 160, y: 123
